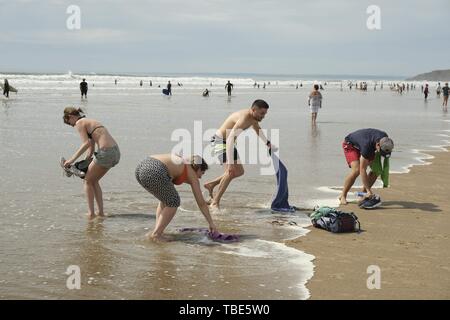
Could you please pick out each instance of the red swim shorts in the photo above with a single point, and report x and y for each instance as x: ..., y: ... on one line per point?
x: 350, y: 152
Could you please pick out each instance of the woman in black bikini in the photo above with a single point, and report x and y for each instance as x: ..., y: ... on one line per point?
x: 106, y: 157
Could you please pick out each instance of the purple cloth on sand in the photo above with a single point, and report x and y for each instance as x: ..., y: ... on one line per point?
x: 215, y: 236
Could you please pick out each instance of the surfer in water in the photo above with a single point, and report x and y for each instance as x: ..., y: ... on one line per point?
x: 83, y: 88
x: 229, y: 87
x: 107, y: 156
x: 225, y: 148
x: 159, y: 174
x: 6, y: 88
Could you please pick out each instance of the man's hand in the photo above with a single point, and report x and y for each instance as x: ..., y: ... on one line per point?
x: 272, y: 147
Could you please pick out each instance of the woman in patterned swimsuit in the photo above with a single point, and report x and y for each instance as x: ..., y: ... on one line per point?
x: 159, y: 173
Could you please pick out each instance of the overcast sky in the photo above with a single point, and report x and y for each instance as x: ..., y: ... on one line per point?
x: 227, y: 36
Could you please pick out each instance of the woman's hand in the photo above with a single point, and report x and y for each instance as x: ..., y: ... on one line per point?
x: 68, y: 163
x: 213, y: 228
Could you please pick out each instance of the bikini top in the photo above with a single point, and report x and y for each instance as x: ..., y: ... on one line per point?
x: 90, y: 134
x: 183, y: 178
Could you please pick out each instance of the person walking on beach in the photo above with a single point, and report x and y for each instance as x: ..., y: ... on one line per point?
x: 169, y: 88
x: 225, y: 148
x: 83, y: 88
x: 159, y: 174
x: 425, y: 91
x: 438, y: 90
x: 6, y: 88
x: 229, y: 87
x: 314, y: 103
x: 107, y: 156
x: 445, y: 94
x: 360, y: 148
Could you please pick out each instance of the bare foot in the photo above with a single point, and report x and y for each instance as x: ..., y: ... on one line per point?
x: 210, y: 189
x: 342, y: 200
x: 155, y: 238
x: 209, y: 201
x: 91, y: 216
x: 101, y: 215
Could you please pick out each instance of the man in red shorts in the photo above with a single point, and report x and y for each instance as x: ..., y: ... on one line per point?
x: 359, y: 149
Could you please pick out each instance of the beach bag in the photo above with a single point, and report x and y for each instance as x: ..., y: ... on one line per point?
x: 335, y: 221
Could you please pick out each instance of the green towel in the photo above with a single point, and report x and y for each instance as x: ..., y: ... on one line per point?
x: 379, y: 170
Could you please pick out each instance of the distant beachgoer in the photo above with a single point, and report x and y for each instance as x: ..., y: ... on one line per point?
x: 360, y: 148
x: 438, y: 90
x: 83, y: 88
x: 425, y: 91
x: 115, y: 82
x: 141, y: 83
x: 169, y: 88
x: 6, y: 88
x: 151, y: 83
x: 296, y: 87
x: 229, y: 87
x: 258, y: 85
x: 224, y: 146
x: 321, y: 88
x: 206, y: 93
x: 445, y: 90
x: 264, y: 85
x: 107, y: 156
x: 314, y: 102
x: 159, y: 174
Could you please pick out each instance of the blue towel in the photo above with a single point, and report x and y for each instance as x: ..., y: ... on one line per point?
x: 280, y: 201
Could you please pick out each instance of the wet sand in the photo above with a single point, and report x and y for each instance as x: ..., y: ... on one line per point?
x: 408, y: 237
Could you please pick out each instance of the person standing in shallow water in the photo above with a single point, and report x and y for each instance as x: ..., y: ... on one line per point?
x: 315, y: 102
x: 229, y: 87
x: 107, y: 156
x: 83, y: 88
x: 6, y: 88
x: 445, y: 92
x: 426, y: 91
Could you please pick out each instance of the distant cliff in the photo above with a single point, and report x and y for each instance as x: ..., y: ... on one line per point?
x: 436, y: 75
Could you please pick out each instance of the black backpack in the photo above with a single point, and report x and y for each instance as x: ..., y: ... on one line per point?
x: 335, y: 221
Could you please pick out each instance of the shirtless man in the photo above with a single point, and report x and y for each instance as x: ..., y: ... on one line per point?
x: 224, y: 146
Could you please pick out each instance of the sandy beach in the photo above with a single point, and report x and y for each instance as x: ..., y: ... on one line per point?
x: 407, y: 237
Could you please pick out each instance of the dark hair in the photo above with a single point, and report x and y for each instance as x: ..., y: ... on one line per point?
x: 198, y: 162
x: 316, y: 86
x: 260, y: 104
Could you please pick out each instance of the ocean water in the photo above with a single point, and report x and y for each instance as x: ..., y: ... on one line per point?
x: 44, y: 230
